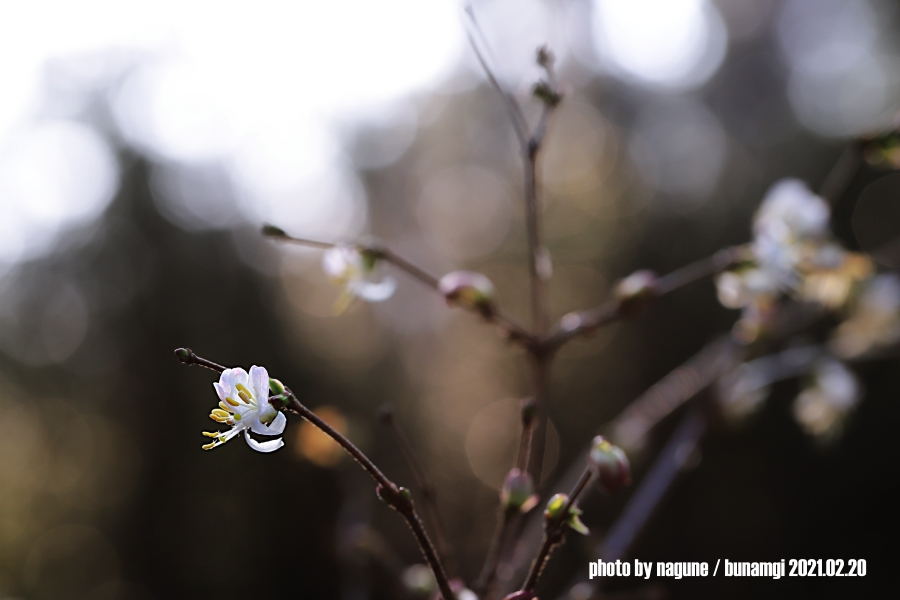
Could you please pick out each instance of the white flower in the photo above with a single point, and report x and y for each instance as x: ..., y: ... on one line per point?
x: 791, y: 212
x: 244, y: 404
x: 352, y: 270
x: 822, y: 406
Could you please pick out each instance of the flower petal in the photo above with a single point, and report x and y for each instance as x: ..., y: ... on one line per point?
x: 232, y: 377
x: 259, y: 384
x: 374, y: 292
x: 270, y: 446
x: 276, y: 427
x: 220, y: 391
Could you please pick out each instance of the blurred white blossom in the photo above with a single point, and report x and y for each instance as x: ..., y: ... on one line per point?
x: 822, y: 406
x: 355, y: 271
x: 874, y: 321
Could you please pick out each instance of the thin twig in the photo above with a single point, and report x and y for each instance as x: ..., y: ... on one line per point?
x: 398, y: 498
x: 588, y: 321
x: 512, y: 107
x: 681, y: 384
x: 511, y: 329
x: 554, y: 532
x: 426, y: 487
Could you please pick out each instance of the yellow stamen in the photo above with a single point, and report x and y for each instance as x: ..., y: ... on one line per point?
x: 216, y: 417
x: 232, y: 401
x: 208, y: 446
x: 222, y: 413
x: 242, y: 388
x: 212, y: 434
x: 244, y: 396
x: 224, y: 407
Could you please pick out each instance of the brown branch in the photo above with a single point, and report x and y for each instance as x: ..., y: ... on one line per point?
x: 588, y: 321
x: 426, y: 487
x: 398, y: 498
x: 554, y: 532
x: 510, y: 328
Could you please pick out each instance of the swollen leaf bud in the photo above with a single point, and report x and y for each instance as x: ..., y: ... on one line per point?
x: 517, y: 494
x: 184, y: 354
x: 555, y: 506
x: 468, y: 289
x: 276, y: 386
x: 636, y: 291
x: 610, y: 464
x: 556, y: 512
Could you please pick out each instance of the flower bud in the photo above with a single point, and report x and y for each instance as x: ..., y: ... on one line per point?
x: 276, y: 386
x: 184, y: 354
x: 610, y: 464
x: 554, y: 513
x: 636, y: 291
x: 517, y: 494
x: 272, y: 231
x: 468, y: 289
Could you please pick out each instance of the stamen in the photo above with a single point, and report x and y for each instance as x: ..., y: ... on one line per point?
x: 244, y: 396
x: 210, y: 434
x: 242, y: 388
x: 221, y: 413
x: 224, y: 407
x: 208, y: 446
x: 232, y: 401
x: 217, y: 418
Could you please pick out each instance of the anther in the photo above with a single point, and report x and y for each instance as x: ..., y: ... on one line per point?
x: 221, y: 413
x: 232, y: 401
x: 208, y: 446
x: 224, y: 407
x: 210, y: 434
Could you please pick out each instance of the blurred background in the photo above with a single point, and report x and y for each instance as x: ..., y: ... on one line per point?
x: 142, y: 145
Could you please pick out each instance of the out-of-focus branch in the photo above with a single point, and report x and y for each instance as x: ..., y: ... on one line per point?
x: 843, y: 172
x: 426, y: 487
x: 681, y: 384
x: 588, y: 321
x: 520, y: 125
x: 511, y: 329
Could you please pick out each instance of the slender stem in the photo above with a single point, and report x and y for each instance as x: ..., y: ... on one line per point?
x: 677, y: 387
x: 511, y: 329
x: 389, y: 491
x: 429, y: 493
x: 554, y: 531
x: 492, y: 561
x: 512, y: 107
x: 187, y: 356
x: 395, y: 496
x: 588, y: 321
x: 537, y: 432
x: 640, y: 506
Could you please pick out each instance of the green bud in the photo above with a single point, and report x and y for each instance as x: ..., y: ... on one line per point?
x: 276, y: 386
x: 555, y: 506
x: 405, y: 493
x: 184, y: 354
x: 544, y: 92
x: 575, y: 522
